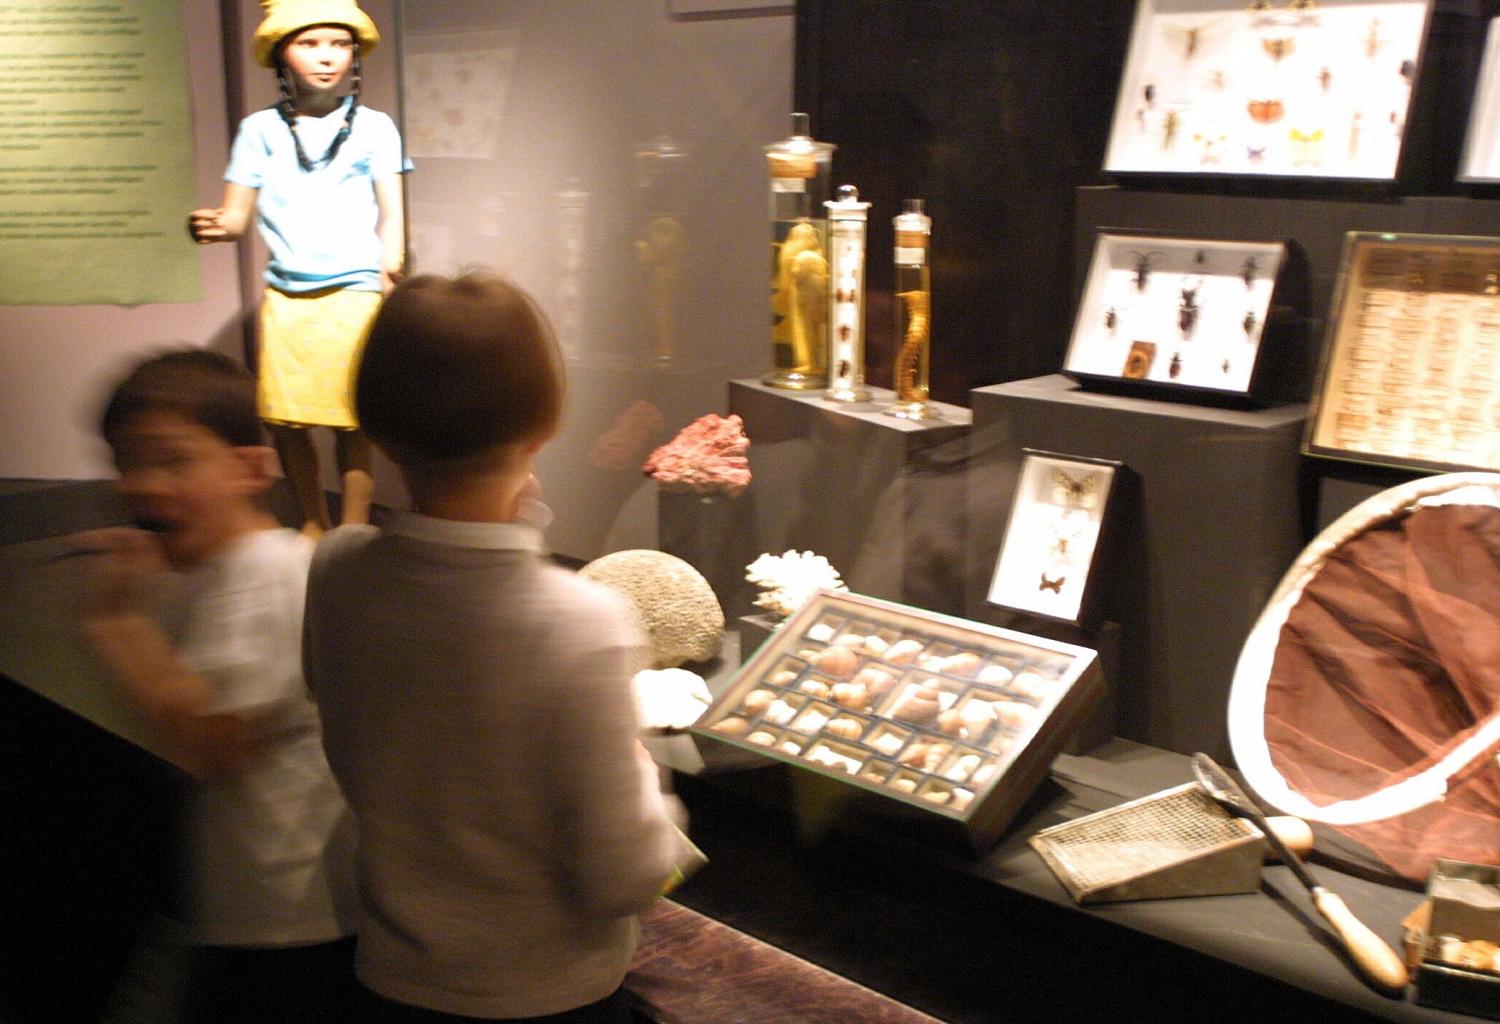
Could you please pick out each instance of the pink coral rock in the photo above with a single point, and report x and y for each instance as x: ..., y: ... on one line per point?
x: 706, y: 456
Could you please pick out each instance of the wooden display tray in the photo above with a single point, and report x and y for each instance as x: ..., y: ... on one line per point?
x: 1005, y: 703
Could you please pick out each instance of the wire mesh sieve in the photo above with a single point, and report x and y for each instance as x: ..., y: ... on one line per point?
x: 1174, y: 843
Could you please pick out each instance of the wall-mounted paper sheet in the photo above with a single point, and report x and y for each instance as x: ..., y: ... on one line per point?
x: 96, y: 159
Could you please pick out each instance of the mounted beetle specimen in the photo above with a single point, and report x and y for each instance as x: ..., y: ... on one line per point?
x: 1188, y: 308
x: 1143, y: 267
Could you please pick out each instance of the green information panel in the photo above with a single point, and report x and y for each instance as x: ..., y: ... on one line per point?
x: 96, y: 159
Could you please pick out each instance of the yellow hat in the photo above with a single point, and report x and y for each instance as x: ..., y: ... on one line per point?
x: 286, y: 17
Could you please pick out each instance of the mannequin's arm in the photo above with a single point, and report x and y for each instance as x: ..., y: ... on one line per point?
x: 391, y: 228
x: 229, y: 221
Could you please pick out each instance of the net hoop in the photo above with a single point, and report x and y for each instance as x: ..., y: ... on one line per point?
x: 1252, y: 675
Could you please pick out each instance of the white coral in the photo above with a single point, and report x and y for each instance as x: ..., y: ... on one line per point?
x: 788, y: 580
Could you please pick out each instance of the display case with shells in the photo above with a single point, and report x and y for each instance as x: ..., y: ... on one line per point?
x: 944, y: 722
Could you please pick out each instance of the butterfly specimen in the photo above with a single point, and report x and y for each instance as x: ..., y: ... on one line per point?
x: 1325, y: 78
x: 1266, y: 111
x: 1278, y: 48
x: 1307, y: 146
x: 1192, y: 38
x: 1053, y: 585
x: 1213, y: 148
x: 1255, y: 154
x: 1077, y: 491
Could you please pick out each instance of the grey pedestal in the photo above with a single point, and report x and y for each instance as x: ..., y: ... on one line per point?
x: 881, y: 498
x: 1214, y: 524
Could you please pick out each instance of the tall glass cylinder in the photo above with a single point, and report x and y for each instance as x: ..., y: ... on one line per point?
x: 800, y: 171
x: 913, y: 290
x: 847, y: 223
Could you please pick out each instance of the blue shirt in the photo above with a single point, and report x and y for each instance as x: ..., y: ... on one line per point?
x: 318, y: 224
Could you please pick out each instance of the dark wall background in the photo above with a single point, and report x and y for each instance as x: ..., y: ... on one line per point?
x: 995, y: 112
x: 991, y: 111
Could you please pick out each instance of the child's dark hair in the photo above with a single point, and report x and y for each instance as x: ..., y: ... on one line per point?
x: 454, y: 367
x: 287, y: 107
x: 204, y: 387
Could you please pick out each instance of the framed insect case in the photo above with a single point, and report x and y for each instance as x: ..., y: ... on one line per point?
x: 925, y: 723
x: 1481, y: 157
x: 1191, y: 319
x: 1291, y: 88
x: 1051, y: 546
x: 1409, y: 371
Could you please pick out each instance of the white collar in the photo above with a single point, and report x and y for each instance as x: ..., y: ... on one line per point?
x: 491, y: 536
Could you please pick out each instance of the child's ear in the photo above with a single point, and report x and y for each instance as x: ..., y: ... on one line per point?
x: 257, y: 463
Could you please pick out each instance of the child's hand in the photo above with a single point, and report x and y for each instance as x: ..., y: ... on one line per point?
x: 125, y: 563
x: 207, y: 226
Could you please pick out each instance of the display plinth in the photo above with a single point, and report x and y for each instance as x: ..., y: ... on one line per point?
x: 1215, y: 525
x: 858, y: 486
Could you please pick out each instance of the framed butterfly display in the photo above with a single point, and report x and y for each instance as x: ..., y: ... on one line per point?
x: 1188, y: 318
x: 1048, y: 551
x: 1481, y: 158
x: 1292, y: 88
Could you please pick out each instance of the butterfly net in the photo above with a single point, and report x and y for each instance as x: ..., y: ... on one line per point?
x: 1368, y: 696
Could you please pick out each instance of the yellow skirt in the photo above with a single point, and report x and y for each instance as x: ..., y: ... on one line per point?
x: 309, y: 347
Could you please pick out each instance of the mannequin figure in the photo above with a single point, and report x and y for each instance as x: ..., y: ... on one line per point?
x: 321, y: 175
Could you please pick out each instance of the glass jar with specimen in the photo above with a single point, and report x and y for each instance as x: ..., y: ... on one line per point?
x: 847, y: 221
x: 913, y: 315
x: 800, y: 171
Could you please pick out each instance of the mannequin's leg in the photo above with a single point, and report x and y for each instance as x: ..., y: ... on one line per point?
x: 299, y: 461
x: 356, y: 461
